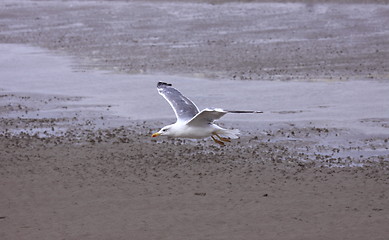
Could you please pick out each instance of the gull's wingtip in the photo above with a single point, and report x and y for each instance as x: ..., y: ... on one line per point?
x: 161, y: 84
x: 240, y: 111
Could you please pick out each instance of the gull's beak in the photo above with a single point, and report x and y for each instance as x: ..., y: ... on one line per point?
x: 155, y: 134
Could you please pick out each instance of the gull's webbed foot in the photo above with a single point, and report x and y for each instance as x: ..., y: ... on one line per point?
x: 223, y: 138
x: 218, y: 141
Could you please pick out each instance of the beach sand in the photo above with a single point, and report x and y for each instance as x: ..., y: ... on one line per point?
x: 78, y: 104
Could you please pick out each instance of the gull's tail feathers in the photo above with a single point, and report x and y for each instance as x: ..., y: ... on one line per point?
x: 230, y: 133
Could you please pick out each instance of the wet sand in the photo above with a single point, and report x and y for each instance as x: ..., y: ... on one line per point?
x: 230, y: 40
x: 78, y: 108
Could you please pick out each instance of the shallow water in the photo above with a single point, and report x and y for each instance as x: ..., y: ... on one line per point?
x: 325, y: 121
x: 347, y: 104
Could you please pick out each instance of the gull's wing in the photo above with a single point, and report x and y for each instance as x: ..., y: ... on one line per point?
x: 207, y: 116
x: 184, y: 108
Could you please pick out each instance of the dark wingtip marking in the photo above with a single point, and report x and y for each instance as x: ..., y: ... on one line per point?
x: 234, y: 111
x: 160, y: 84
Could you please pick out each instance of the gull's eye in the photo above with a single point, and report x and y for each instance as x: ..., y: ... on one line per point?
x: 164, y: 130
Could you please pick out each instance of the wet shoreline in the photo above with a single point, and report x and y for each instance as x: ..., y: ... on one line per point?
x: 77, y: 160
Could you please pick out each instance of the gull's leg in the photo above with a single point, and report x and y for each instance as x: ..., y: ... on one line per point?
x: 223, y: 138
x: 217, y: 141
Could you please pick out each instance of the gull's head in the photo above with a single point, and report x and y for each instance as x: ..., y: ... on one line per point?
x: 165, y: 131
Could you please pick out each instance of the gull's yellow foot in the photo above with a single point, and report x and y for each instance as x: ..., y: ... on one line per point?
x: 217, y: 141
x: 223, y: 138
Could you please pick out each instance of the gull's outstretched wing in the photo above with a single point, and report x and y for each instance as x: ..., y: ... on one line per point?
x: 184, y: 108
x: 207, y: 116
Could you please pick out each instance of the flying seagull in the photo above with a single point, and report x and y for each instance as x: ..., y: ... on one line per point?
x: 191, y: 123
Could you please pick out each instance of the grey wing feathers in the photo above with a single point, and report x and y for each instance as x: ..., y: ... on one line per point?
x: 184, y: 108
x: 207, y: 116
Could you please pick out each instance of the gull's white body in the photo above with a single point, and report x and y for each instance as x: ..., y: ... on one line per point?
x: 190, y: 122
x: 183, y: 130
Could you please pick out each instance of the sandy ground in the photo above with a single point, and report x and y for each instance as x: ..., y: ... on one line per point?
x: 78, y: 106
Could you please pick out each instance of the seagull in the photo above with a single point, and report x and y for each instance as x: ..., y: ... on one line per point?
x: 191, y: 123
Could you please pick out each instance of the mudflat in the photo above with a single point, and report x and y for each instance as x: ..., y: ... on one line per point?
x: 79, y: 104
